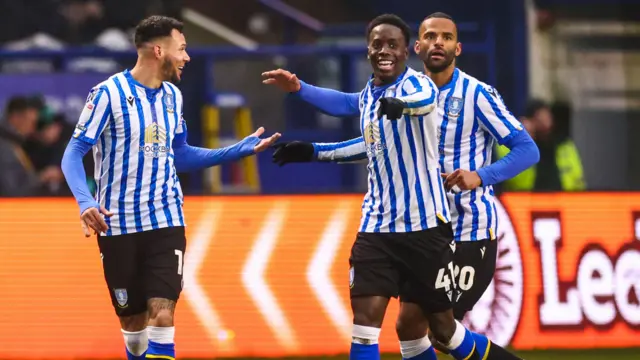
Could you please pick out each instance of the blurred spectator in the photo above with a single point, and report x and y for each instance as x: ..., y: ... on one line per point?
x: 560, y: 166
x: 19, y: 176
x: 46, y: 145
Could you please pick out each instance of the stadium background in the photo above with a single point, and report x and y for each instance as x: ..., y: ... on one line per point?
x: 266, y: 271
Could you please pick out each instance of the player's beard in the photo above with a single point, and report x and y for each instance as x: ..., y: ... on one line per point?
x: 169, y: 71
x: 439, y: 66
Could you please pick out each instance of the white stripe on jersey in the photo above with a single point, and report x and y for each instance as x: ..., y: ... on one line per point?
x: 405, y: 189
x: 475, y: 117
x: 132, y: 129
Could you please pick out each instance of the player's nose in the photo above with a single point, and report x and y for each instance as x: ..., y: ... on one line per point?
x: 187, y: 58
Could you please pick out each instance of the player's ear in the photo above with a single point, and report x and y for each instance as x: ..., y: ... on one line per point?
x: 458, y: 49
x: 157, y: 51
x: 416, y: 47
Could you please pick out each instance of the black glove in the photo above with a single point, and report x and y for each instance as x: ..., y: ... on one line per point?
x: 391, y: 107
x: 291, y: 152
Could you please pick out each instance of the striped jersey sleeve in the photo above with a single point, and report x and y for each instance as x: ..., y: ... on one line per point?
x: 420, y: 95
x: 494, y: 115
x: 345, y: 151
x: 181, y: 127
x: 95, y: 115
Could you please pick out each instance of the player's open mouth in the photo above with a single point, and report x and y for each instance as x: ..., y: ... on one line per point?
x: 437, y: 55
x: 385, y: 65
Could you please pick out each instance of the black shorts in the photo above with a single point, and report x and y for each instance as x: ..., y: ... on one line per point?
x: 415, y: 266
x: 475, y: 265
x: 141, y: 266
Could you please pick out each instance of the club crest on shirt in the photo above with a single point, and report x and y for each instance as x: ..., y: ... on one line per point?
x: 169, y: 103
x: 121, y: 297
x: 455, y: 106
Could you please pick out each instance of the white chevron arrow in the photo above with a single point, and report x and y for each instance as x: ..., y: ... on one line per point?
x: 255, y: 284
x: 319, y: 271
x: 196, y: 297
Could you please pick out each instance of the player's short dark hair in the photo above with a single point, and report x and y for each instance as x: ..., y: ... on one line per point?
x: 533, y: 106
x: 154, y: 27
x: 390, y: 19
x: 441, y: 15
x: 19, y: 104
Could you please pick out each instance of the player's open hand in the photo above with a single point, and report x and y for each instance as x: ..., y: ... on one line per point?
x: 283, y: 79
x: 92, y: 219
x: 265, y: 143
x: 461, y: 180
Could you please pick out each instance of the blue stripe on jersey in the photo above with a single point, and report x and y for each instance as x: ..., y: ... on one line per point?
x: 336, y: 146
x: 355, y: 157
x: 125, y: 158
x: 487, y: 144
x: 154, y: 169
x: 140, y: 170
x: 412, y: 146
x: 106, y: 114
x: 387, y: 165
x: 175, y: 180
x: 498, y: 112
x: 416, y: 84
x: 414, y: 156
x: 475, y: 214
x: 165, y: 186
x: 367, y: 216
x: 481, y: 115
x: 403, y: 174
x: 95, y: 107
x: 472, y: 167
x: 103, y: 144
x: 456, y: 151
x: 495, y: 211
x: 426, y: 160
x: 112, y: 165
x: 489, y: 210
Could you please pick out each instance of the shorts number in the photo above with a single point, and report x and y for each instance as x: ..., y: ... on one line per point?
x: 466, y: 277
x: 443, y: 279
x: 180, y: 264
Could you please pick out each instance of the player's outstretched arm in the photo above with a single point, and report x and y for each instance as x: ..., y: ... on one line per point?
x: 188, y: 158
x: 350, y: 151
x: 418, y: 98
x: 508, y: 131
x: 331, y: 102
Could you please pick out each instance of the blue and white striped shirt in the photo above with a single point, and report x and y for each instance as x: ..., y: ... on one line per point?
x: 131, y: 128
x: 405, y: 192
x: 471, y: 117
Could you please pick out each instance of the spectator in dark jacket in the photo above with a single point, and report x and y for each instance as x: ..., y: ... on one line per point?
x: 18, y: 176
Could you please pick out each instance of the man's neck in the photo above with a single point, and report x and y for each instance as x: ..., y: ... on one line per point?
x: 443, y: 77
x: 385, y: 82
x: 146, y: 75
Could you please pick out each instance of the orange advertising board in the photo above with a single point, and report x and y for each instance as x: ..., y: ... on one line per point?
x: 268, y: 276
